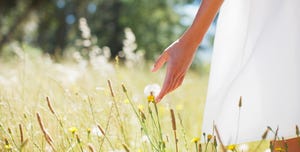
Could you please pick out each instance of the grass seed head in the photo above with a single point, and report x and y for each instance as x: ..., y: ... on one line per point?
x: 49, y: 105
x: 297, y: 131
x: 240, y: 102
x: 173, y: 119
x: 265, y: 134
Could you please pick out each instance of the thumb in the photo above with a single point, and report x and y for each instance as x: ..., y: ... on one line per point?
x: 160, y: 61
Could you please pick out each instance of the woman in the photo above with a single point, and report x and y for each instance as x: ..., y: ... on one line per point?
x: 257, y: 56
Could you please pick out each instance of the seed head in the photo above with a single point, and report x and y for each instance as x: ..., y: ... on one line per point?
x: 209, y: 137
x: 240, y: 102
x: 297, y: 131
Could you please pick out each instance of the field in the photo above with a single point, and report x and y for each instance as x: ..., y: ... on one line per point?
x: 96, y: 105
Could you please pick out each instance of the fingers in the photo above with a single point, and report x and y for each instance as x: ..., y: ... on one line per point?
x: 160, y: 61
x: 170, y: 84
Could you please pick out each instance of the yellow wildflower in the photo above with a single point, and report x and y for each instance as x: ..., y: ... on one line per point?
x: 209, y: 137
x: 88, y: 130
x: 151, y: 98
x: 231, y: 147
x: 7, y: 147
x: 73, y: 130
x: 179, y: 107
x: 195, y: 139
x: 126, y: 101
x: 141, y: 107
x: 279, y: 149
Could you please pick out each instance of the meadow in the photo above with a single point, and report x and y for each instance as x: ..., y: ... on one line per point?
x: 98, y: 104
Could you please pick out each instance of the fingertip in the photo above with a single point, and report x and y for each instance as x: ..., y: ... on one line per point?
x: 153, y: 69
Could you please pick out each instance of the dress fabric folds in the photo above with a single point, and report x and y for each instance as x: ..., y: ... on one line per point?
x: 256, y: 56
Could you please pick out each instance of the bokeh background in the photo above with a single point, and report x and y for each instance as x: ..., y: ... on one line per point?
x: 53, y: 26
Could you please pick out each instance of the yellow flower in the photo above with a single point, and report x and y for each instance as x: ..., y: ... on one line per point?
x: 179, y: 107
x: 141, y: 107
x: 73, y: 130
x: 209, y: 137
x: 195, y: 139
x: 88, y: 130
x: 7, y: 146
x: 126, y: 101
x: 151, y: 98
x: 231, y: 147
x: 279, y: 149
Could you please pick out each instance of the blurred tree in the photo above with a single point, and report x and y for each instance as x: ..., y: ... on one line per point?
x: 53, y: 25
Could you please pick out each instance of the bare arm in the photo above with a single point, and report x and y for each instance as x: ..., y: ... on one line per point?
x: 180, y: 54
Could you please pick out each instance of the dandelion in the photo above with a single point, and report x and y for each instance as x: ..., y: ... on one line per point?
x: 231, y: 147
x: 73, y: 130
x: 151, y: 98
x: 195, y: 139
x: 151, y: 91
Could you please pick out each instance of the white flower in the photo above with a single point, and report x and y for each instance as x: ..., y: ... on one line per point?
x: 96, y: 131
x: 268, y: 150
x: 145, y: 139
x: 243, y: 147
x: 154, y: 88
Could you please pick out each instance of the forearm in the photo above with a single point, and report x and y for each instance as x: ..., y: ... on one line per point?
x: 204, y: 17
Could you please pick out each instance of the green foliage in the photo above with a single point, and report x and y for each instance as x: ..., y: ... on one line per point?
x: 53, y: 25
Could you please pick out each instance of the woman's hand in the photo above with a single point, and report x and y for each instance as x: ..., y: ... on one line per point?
x: 178, y: 56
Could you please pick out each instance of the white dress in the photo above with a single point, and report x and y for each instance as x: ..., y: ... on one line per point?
x: 257, y: 56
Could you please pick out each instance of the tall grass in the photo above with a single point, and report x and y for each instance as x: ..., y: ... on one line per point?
x: 48, y: 106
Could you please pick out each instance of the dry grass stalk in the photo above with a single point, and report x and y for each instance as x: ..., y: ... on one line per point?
x: 49, y: 105
x: 91, y: 148
x: 9, y: 130
x: 79, y: 142
x: 265, y: 134
x: 219, y: 138
x: 143, y: 116
x: 23, y: 144
x: 101, y: 130
x: 174, y: 128
x: 240, y: 102
x: 110, y: 88
x: 46, y: 134
x: 297, y: 131
x: 173, y: 119
x: 126, y: 147
x: 199, y: 147
x: 21, y: 133
x: 124, y: 88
